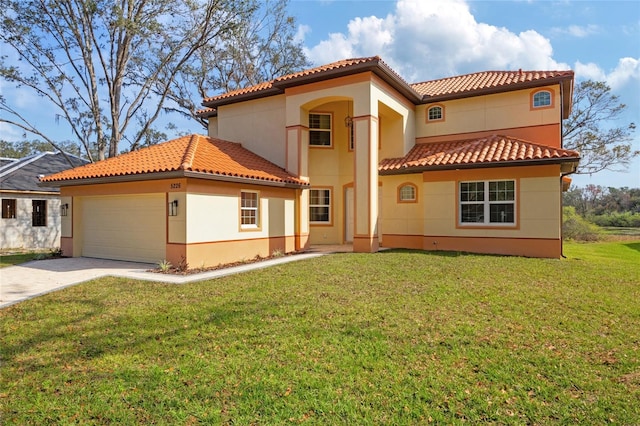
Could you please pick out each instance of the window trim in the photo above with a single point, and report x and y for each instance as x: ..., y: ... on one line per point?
x: 9, y: 208
x: 486, y: 202
x: 39, y: 219
x: 540, y: 91
x: 435, y: 120
x: 249, y: 226
x: 400, y: 200
x: 329, y: 222
x: 329, y: 130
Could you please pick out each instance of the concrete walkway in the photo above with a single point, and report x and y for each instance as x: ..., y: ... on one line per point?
x: 31, y: 279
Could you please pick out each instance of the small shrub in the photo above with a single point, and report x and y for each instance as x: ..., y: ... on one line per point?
x: 277, y: 253
x: 183, y: 265
x: 56, y: 252
x: 40, y: 256
x: 575, y: 227
x: 165, y: 266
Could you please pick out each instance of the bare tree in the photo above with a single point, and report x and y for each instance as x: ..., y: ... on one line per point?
x: 262, y: 48
x: 110, y: 68
x: 591, y: 129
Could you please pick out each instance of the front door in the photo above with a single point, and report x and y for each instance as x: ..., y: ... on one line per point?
x: 349, y: 215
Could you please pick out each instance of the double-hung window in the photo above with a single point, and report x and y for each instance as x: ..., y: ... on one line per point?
x: 249, y: 210
x: 488, y: 203
x: 320, y: 129
x: 39, y: 213
x: 320, y: 206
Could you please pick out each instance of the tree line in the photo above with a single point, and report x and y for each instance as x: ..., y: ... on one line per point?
x: 605, y: 206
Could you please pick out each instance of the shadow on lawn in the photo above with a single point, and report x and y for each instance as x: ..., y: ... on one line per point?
x: 440, y: 253
x: 633, y: 246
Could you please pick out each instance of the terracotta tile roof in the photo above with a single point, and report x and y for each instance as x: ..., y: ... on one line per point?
x: 332, y: 70
x: 193, y: 153
x: 428, y: 91
x: 482, y: 81
x: 494, y: 150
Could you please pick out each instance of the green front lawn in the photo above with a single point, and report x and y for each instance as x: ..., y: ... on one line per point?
x: 15, y: 259
x: 397, y: 337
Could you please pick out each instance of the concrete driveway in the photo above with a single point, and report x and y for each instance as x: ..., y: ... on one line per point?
x: 31, y: 279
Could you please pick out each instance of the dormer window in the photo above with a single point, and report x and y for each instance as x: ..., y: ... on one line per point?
x: 542, y: 99
x: 435, y: 113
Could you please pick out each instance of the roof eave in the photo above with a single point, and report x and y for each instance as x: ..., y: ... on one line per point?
x: 573, y: 161
x: 243, y: 97
x: 244, y: 180
x: 376, y: 66
x: 170, y: 175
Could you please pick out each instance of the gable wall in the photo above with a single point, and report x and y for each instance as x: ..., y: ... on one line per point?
x: 259, y: 125
x: 503, y: 113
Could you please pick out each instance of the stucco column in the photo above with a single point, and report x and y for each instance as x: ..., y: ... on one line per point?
x: 297, y: 162
x: 365, y: 239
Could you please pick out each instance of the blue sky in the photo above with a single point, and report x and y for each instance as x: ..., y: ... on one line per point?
x: 429, y: 39
x: 424, y: 40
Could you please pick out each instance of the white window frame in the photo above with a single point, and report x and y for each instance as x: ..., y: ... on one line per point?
x: 254, y: 211
x: 402, y: 193
x: 319, y: 129
x: 486, y: 202
x: 537, y: 98
x: 320, y: 205
x: 433, y: 108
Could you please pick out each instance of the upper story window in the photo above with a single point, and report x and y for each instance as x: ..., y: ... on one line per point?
x: 435, y: 113
x: 249, y: 210
x: 542, y: 99
x: 8, y: 208
x: 39, y: 213
x: 320, y: 129
x: 488, y: 203
x: 407, y: 193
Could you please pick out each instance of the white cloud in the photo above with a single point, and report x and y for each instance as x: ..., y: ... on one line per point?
x: 627, y: 71
x: 578, y: 31
x: 589, y: 71
x: 301, y: 33
x: 428, y: 39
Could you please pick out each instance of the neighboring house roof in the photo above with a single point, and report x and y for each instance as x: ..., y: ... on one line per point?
x: 188, y: 156
x: 4, y: 161
x: 419, y: 93
x: 23, y: 174
x: 492, y: 151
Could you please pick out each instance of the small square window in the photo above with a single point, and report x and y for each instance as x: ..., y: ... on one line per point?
x: 407, y: 193
x: 435, y: 113
x: 8, y: 208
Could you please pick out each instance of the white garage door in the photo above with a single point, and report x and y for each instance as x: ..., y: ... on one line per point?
x: 124, y: 227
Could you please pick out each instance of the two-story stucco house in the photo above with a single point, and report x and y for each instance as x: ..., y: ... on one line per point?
x: 343, y: 153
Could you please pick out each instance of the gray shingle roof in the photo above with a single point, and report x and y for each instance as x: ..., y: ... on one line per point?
x: 23, y: 174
